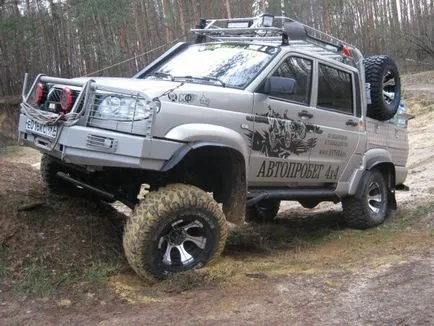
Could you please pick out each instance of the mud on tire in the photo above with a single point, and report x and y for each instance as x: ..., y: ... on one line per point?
x: 175, y: 229
x: 381, y: 72
x: 49, y: 169
x: 264, y: 211
x: 372, y: 208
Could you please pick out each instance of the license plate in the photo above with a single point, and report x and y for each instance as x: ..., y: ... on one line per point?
x: 38, y: 128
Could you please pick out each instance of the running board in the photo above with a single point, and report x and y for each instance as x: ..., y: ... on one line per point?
x: 292, y: 194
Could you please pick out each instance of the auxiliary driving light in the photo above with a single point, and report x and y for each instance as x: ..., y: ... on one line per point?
x: 38, y: 94
x: 267, y: 20
x: 66, y: 100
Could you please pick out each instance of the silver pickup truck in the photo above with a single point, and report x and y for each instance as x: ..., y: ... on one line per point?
x: 257, y: 111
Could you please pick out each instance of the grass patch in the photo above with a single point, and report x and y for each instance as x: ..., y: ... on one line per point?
x: 408, y: 214
x: 37, y: 281
x: 422, y: 210
x: 315, y: 244
x: 99, y: 272
x: 285, y: 234
x: 341, y: 250
x: 3, y: 272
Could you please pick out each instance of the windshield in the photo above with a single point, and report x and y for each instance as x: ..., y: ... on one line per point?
x: 231, y: 65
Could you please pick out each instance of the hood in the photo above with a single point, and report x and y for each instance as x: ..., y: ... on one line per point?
x: 151, y: 87
x: 192, y: 94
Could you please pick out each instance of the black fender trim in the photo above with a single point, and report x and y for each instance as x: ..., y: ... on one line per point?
x: 184, y: 150
x: 390, y: 180
x: 372, y: 163
x: 233, y: 191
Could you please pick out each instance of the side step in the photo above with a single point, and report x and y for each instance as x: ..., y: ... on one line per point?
x: 257, y: 195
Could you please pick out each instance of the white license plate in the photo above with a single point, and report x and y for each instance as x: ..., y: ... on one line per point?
x: 38, y: 128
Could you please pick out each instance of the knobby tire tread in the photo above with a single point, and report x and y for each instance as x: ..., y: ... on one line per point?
x: 141, y: 228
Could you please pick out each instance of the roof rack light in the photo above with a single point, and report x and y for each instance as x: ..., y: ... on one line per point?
x: 267, y: 20
x: 240, y: 24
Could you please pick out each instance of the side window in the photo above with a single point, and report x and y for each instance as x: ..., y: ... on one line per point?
x: 335, y: 89
x: 300, y: 70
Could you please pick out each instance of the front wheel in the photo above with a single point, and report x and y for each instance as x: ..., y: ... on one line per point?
x: 49, y: 168
x: 175, y: 229
x: 372, y: 207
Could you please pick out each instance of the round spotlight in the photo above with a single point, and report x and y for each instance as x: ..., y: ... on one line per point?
x: 66, y: 100
x: 38, y: 95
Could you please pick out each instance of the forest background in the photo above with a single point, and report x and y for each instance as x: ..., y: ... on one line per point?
x: 71, y: 38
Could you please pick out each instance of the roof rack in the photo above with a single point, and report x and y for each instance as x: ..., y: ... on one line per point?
x: 279, y: 30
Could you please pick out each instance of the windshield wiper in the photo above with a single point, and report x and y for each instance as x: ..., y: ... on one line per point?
x: 205, y: 78
x: 163, y: 75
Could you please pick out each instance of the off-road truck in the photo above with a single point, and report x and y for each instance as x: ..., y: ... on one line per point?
x: 256, y: 111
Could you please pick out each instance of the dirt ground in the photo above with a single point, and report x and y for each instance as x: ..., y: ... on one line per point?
x: 61, y: 262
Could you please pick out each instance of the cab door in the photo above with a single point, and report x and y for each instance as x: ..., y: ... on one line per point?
x: 284, y: 131
x: 338, y: 117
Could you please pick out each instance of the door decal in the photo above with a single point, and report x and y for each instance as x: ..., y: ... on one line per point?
x: 281, y: 136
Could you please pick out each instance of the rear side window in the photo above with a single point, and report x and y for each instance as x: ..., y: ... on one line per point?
x: 335, y: 89
x: 300, y: 70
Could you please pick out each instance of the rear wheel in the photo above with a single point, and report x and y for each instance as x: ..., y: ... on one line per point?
x: 175, y: 229
x: 372, y: 207
x: 264, y: 211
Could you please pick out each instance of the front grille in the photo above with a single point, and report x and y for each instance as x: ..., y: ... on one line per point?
x: 102, y: 143
x: 53, y: 100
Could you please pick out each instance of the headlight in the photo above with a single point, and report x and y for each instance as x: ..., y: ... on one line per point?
x: 123, y: 108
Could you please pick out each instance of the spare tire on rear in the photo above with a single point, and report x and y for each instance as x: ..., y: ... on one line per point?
x: 382, y: 73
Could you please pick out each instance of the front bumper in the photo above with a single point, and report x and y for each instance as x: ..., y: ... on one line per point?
x: 99, y: 148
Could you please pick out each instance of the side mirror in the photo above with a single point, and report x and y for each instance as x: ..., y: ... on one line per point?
x: 279, y: 85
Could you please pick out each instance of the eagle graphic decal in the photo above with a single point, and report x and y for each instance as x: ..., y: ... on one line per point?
x: 281, y: 136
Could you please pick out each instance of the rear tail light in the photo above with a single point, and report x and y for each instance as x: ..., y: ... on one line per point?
x: 66, y: 101
x: 39, y: 94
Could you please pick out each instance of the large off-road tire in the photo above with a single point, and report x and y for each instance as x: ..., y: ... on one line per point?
x: 373, y: 206
x: 381, y: 72
x: 174, y: 229
x: 49, y: 168
x: 264, y: 211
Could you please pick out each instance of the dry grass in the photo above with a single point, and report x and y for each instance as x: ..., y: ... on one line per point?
x: 418, y: 92
x: 322, y: 249
x: 425, y: 77
x: 64, y: 239
x: 315, y: 245
x: 71, y: 245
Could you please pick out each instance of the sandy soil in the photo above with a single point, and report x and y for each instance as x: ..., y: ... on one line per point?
x: 305, y: 269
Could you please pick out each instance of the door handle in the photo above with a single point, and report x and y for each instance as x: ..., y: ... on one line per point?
x: 305, y: 114
x: 352, y: 123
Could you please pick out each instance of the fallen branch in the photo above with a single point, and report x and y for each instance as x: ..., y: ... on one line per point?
x: 27, y: 207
